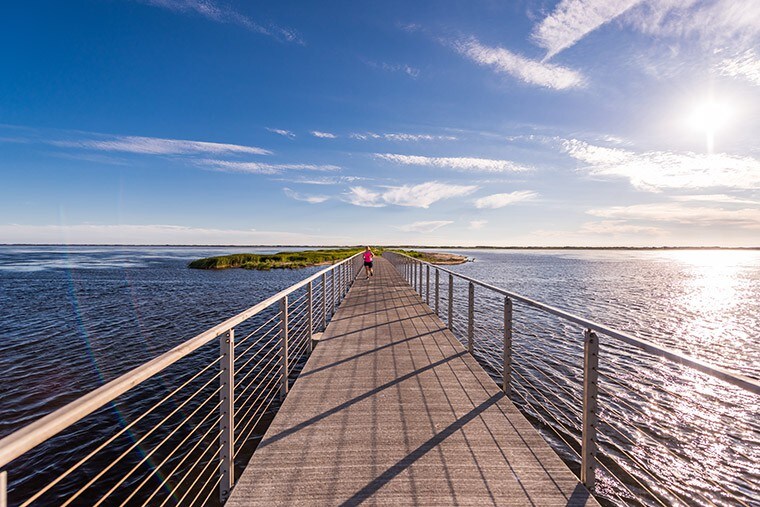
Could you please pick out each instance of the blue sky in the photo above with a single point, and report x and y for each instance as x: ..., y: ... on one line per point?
x: 580, y: 122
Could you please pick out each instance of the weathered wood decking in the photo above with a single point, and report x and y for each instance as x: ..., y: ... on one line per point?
x: 390, y: 409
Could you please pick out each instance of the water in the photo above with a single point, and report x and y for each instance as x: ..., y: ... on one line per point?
x: 72, y: 318
x: 671, y: 434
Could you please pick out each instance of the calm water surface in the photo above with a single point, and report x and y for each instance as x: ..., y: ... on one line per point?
x: 72, y: 318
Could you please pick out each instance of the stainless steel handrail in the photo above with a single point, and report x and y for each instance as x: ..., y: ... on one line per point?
x: 28, y: 437
x: 750, y: 384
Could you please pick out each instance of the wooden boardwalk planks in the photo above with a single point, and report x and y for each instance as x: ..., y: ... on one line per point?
x: 390, y: 409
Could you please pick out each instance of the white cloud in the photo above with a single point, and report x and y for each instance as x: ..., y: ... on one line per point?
x: 478, y: 224
x: 156, y: 235
x: 529, y: 71
x: 159, y: 146
x: 282, y: 132
x: 424, y: 194
x: 424, y: 227
x: 418, y: 196
x: 618, y: 227
x: 502, y: 200
x: 262, y: 168
x: 400, y: 136
x: 222, y: 14
x: 748, y: 218
x: 719, y: 23
x: 656, y: 170
x: 722, y: 198
x: 745, y: 65
x: 572, y: 20
x: 311, y: 199
x: 360, y: 196
x: 457, y: 163
x: 323, y: 135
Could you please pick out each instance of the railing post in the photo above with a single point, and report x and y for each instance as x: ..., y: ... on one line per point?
x: 310, y: 292
x: 590, y: 390
x: 414, y: 275
x: 437, y: 289
x: 506, y: 370
x: 471, y: 319
x: 227, y: 412
x: 3, y: 489
x: 451, y: 301
x: 332, y: 301
x: 284, y: 346
x: 427, y: 284
x: 324, y: 301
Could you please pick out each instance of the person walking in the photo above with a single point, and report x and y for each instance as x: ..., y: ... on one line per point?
x: 368, y: 259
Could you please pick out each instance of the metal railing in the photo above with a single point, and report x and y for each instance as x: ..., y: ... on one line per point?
x: 638, y: 423
x: 174, y: 430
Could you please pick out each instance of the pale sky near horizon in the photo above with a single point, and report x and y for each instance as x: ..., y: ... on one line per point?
x: 579, y: 122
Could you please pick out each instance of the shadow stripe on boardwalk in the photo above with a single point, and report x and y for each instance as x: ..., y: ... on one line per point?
x: 390, y: 409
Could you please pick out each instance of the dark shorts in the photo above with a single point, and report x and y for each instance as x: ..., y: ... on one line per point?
x: 368, y: 264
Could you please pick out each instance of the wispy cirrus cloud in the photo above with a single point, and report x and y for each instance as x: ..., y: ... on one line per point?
x: 683, y: 213
x: 456, y: 163
x: 425, y: 194
x: 717, y: 198
x: 657, y: 170
x: 424, y: 226
x: 218, y: 13
x: 419, y: 196
x: 477, y: 224
x: 282, y: 132
x: 323, y: 135
x: 400, y: 136
x: 532, y: 72
x: 364, y: 197
x: 260, y: 167
x: 311, y: 199
x: 745, y: 65
x: 572, y: 20
x: 501, y: 200
x: 158, y: 146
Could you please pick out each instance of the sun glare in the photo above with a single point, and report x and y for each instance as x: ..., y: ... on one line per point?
x: 709, y: 117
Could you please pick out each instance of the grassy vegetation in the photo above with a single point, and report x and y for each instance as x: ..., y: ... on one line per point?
x: 433, y: 257
x: 281, y: 260
x: 306, y: 258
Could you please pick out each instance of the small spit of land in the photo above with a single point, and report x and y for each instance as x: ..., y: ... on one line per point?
x: 307, y: 258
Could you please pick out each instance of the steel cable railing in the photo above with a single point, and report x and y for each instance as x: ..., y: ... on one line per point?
x: 214, y: 395
x: 638, y: 423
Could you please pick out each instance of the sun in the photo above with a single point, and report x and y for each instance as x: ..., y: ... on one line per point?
x: 708, y: 117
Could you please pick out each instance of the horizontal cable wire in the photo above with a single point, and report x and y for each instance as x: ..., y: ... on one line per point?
x: 140, y: 440
x: 177, y: 447
x: 202, y: 438
x: 116, y: 435
x: 148, y: 455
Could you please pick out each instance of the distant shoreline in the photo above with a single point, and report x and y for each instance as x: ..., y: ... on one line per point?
x: 447, y: 247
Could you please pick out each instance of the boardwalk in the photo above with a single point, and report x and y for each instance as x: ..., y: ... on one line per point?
x: 391, y: 409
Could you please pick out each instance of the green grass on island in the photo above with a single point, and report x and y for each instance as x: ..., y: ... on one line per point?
x: 307, y: 258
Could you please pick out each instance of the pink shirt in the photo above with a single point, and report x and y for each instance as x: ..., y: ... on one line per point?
x: 367, y: 256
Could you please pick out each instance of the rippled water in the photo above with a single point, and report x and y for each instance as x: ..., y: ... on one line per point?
x: 74, y: 317
x: 670, y: 434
